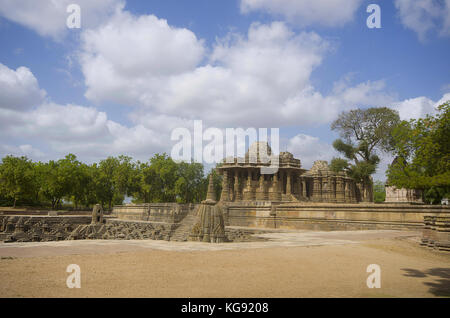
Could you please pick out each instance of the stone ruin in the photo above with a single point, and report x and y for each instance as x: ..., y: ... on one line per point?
x: 38, y: 228
x: 118, y: 230
x: 395, y: 195
x: 436, y: 232
x: 26, y: 228
x: 121, y: 230
x: 210, y: 226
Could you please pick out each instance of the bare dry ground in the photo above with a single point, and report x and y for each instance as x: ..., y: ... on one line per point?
x: 296, y: 265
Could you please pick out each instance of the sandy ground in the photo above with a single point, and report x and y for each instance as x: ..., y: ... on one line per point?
x: 290, y: 264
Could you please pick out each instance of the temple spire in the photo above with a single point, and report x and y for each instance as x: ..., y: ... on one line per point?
x: 211, y: 195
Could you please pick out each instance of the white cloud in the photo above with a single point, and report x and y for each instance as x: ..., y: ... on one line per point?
x: 385, y: 160
x: 40, y: 129
x: 423, y: 16
x: 21, y: 150
x: 445, y: 98
x: 306, y: 12
x: 19, y: 89
x: 415, y: 108
x: 80, y: 130
x: 48, y: 17
x: 128, y: 58
x: 258, y: 79
x: 309, y: 149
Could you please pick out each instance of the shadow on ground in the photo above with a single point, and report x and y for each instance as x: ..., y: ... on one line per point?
x: 441, y: 276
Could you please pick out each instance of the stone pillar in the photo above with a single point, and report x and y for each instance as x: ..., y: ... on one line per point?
x: 248, y: 190
x: 275, y: 193
x: 333, y: 189
x: 237, y: 192
x: 325, y: 189
x: 316, y: 195
x: 265, y: 189
x: 211, y: 194
x: 260, y: 190
x: 349, y: 193
x: 288, y: 183
x: 304, y: 193
x: 340, y: 190
x: 225, y: 194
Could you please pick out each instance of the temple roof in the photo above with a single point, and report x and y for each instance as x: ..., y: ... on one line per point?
x: 260, y: 154
x: 321, y: 167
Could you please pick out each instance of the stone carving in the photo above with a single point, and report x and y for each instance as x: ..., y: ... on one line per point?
x: 97, y: 214
x: 290, y: 183
x: 121, y: 230
x: 255, y: 185
x: 210, y: 227
x: 33, y: 229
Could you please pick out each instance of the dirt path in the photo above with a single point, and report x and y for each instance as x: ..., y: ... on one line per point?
x: 130, y: 269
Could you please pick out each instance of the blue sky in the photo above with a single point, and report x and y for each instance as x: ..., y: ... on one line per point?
x: 136, y: 70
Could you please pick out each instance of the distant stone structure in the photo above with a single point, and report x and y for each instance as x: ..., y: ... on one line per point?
x: 243, y: 180
x: 395, y: 195
x: 402, y: 195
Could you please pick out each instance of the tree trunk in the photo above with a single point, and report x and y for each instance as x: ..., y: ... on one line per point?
x: 15, y: 200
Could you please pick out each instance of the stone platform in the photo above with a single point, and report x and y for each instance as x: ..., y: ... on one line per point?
x: 329, y: 217
x: 302, y: 215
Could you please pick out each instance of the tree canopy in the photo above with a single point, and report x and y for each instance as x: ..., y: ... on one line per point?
x: 363, y: 132
x: 422, y: 154
x: 107, y: 182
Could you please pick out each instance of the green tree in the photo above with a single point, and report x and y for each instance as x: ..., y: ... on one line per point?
x: 189, y: 185
x: 17, y: 180
x: 422, y: 149
x: 106, y: 181
x: 60, y: 179
x: 363, y: 132
x: 160, y: 177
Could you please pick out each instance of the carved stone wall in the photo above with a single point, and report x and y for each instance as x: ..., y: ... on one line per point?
x: 155, y: 212
x: 39, y: 228
x: 394, y: 195
x: 436, y: 232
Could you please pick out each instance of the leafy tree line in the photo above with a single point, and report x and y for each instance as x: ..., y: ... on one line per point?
x: 24, y: 182
x: 421, y: 149
x: 422, y: 155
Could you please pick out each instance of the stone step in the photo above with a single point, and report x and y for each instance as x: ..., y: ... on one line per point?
x: 182, y: 232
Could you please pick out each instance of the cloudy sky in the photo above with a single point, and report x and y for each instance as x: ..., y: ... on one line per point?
x: 136, y: 70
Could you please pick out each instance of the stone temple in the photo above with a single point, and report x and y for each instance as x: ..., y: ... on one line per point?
x: 243, y: 180
x: 251, y: 202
